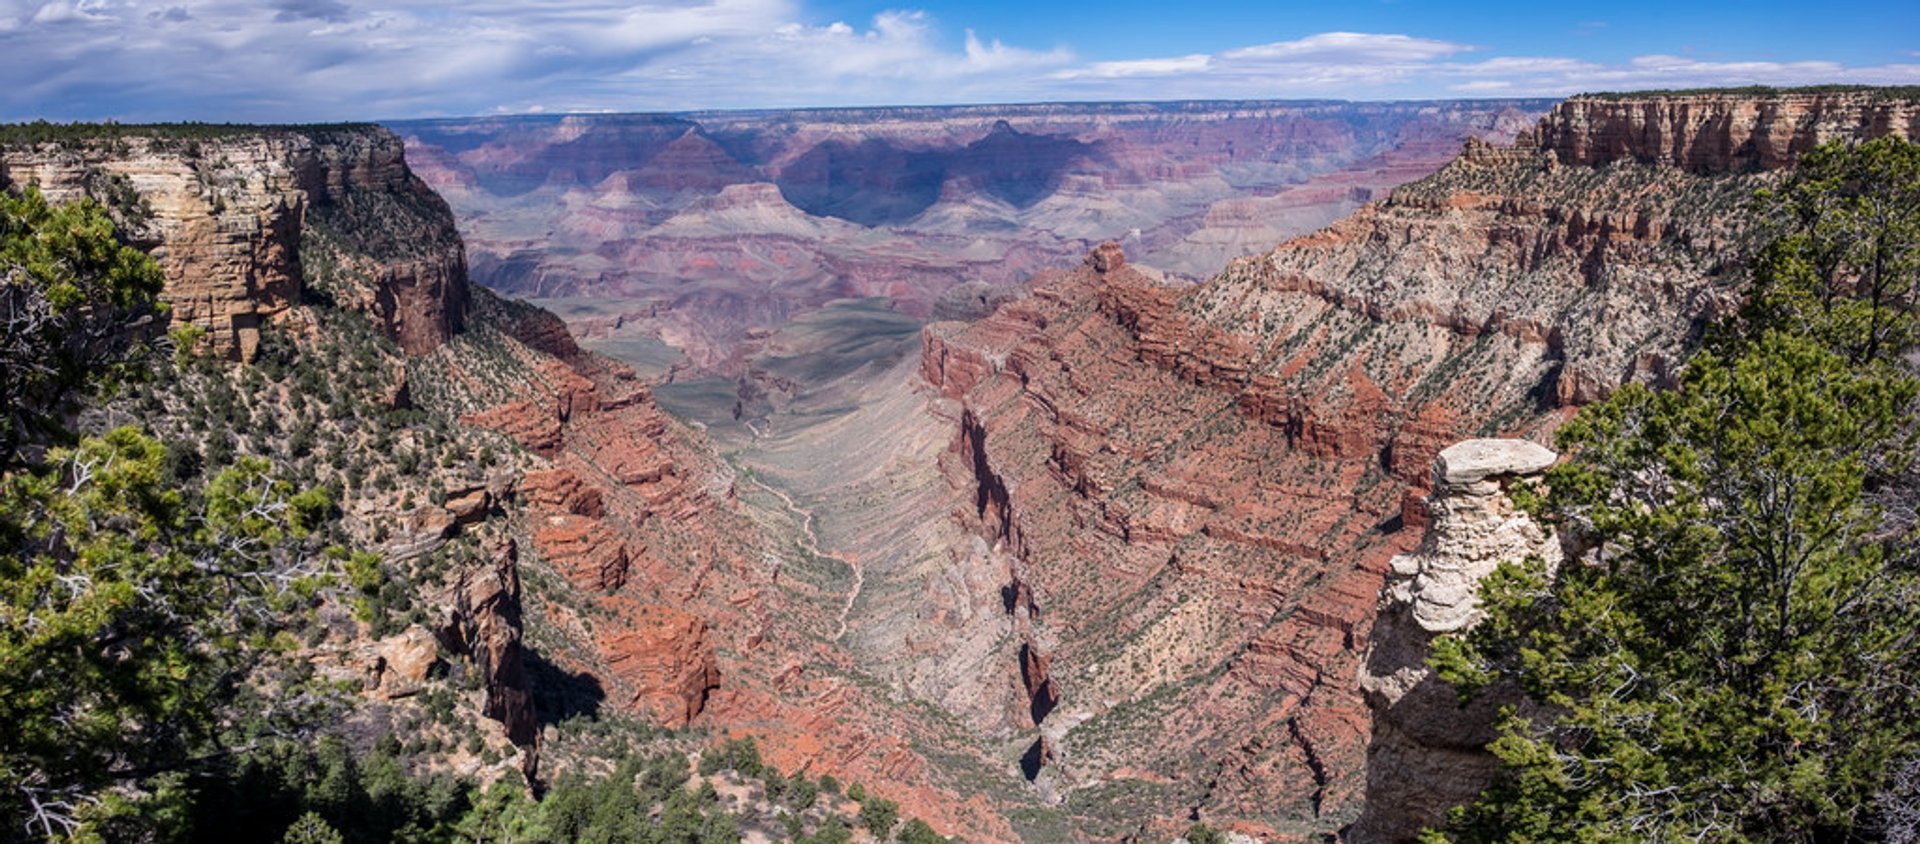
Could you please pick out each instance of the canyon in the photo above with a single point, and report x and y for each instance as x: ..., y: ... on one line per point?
x: 961, y: 452
x: 1178, y: 504
x: 703, y: 231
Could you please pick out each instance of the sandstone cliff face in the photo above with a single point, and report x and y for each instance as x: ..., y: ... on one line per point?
x: 1719, y: 132
x: 244, y: 223
x: 1428, y: 753
x: 666, y: 657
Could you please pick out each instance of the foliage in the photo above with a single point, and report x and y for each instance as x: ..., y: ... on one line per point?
x: 311, y: 829
x: 126, y: 617
x: 834, y: 831
x: 370, y: 797
x: 73, y: 301
x: 916, y: 831
x: 1201, y: 833
x: 879, y: 815
x: 1847, y: 272
x: 740, y: 754
x: 373, y: 798
x: 134, y: 601
x: 1735, y: 656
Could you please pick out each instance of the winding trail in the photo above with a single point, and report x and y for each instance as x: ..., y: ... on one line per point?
x: 811, y: 542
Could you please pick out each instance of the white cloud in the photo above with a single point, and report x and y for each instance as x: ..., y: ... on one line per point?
x: 1350, y: 48
x: 1370, y: 66
x: 1197, y: 63
x: 340, y: 59
x: 1356, y: 64
x: 1556, y: 76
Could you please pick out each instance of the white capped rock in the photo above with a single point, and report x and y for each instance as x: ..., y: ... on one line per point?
x: 1473, y: 460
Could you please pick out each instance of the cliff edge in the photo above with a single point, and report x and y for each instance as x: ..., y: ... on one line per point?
x: 1729, y: 131
x: 245, y: 221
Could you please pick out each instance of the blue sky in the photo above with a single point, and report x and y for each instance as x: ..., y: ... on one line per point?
x: 1868, y: 32
x: 307, y: 60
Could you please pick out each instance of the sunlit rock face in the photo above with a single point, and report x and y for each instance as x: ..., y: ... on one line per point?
x: 1720, y: 132
x: 242, y: 222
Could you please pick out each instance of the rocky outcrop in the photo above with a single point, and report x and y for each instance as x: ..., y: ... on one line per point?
x: 485, y: 625
x: 1428, y: 752
x: 399, y: 664
x: 664, y: 659
x: 1471, y: 529
x: 245, y: 221
x: 1711, y: 132
x: 585, y: 550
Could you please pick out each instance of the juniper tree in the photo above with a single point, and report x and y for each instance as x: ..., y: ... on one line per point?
x: 74, y: 304
x: 129, y: 605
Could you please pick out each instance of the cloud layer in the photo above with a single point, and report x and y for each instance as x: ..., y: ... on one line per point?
x: 289, y: 60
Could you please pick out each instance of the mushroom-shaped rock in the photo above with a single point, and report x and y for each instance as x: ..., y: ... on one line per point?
x: 1471, y: 461
x: 1428, y: 752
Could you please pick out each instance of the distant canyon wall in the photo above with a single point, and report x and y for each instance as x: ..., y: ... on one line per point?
x: 1730, y: 132
x: 710, y: 226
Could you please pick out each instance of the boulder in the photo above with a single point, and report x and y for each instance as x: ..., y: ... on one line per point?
x: 1473, y: 460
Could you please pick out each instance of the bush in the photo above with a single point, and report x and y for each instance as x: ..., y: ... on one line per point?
x: 879, y: 815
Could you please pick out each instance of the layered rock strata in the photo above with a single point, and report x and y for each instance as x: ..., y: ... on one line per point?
x: 1428, y: 752
x: 244, y: 222
x: 774, y: 214
x: 1203, y: 487
x: 1720, y: 132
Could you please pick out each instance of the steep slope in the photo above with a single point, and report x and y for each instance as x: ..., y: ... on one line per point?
x: 1198, y: 490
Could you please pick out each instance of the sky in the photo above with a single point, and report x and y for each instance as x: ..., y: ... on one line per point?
x: 327, y: 60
